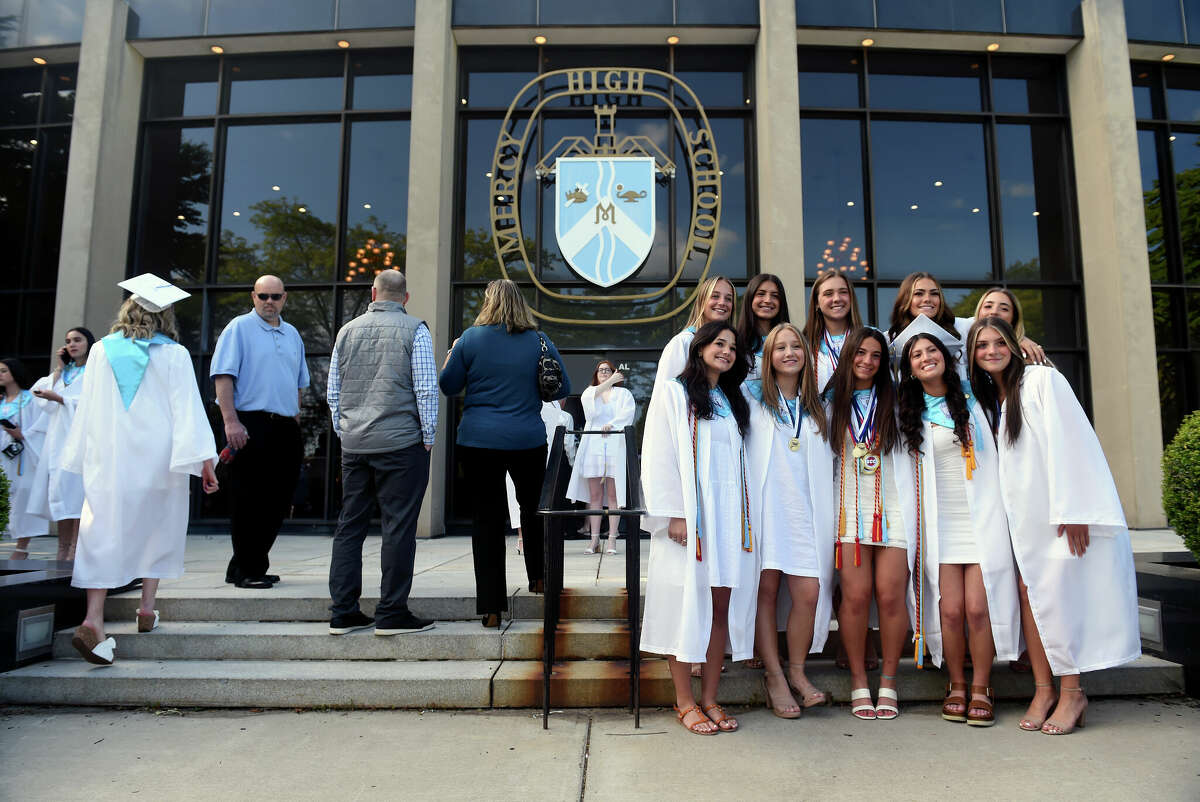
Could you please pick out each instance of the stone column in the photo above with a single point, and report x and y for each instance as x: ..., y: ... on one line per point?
x: 1116, y: 269
x: 431, y: 214
x: 100, y: 173
x: 777, y: 141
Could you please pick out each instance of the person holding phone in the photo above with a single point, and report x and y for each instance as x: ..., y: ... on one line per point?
x: 20, y: 445
x: 57, y: 494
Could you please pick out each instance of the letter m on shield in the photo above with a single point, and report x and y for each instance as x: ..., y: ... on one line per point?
x: 604, y: 215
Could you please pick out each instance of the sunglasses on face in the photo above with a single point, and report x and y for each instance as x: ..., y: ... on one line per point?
x: 274, y: 296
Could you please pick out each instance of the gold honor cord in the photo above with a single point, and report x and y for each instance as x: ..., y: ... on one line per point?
x: 702, y: 159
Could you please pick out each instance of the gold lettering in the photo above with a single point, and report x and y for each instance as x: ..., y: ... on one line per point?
x: 575, y: 81
x: 705, y: 223
x: 509, y: 241
x: 707, y: 200
x: 504, y: 186
x: 636, y: 81
x: 612, y: 81
x: 698, y: 137
x: 608, y: 213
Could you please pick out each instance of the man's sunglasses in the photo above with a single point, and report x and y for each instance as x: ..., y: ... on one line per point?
x: 274, y: 296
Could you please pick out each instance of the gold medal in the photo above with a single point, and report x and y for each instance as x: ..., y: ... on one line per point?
x: 869, y: 464
x: 794, y: 444
x: 860, y: 450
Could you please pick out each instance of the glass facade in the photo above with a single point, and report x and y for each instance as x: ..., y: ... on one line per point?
x: 1166, y: 99
x: 152, y: 19
x: 1054, y: 17
x: 290, y: 165
x: 36, y: 109
x: 40, y: 23
x: 1163, y: 21
x: 469, y: 13
x: 955, y: 165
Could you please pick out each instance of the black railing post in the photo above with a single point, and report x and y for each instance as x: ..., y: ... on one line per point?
x: 633, y: 571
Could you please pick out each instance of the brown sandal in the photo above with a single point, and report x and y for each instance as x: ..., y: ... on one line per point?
x: 682, y: 714
x: 91, y: 648
x: 986, y: 719
x: 955, y: 696
x: 725, y: 719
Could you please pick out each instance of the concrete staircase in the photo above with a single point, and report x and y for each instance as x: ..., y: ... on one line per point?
x: 218, y: 650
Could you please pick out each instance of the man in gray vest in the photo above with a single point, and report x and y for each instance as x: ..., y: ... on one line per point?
x: 383, y: 396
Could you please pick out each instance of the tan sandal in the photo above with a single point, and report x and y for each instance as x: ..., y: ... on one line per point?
x: 147, y: 622
x: 987, y: 718
x: 725, y: 719
x: 1033, y: 725
x: 771, y: 702
x: 955, y: 696
x: 1050, y: 728
x: 682, y: 714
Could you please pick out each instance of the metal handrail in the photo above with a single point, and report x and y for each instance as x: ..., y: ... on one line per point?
x: 558, y: 475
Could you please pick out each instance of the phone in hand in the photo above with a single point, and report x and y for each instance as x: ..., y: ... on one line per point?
x: 65, y: 357
x: 7, y: 424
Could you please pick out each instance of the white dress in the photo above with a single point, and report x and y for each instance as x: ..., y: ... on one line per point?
x: 553, y: 416
x: 57, y: 494
x: 22, y: 469
x: 857, y: 493
x: 673, y: 359
x: 790, y: 494
x: 827, y: 359
x: 599, y: 455
x: 1085, y: 607
x: 678, y: 611
x: 956, y: 538
x: 136, y: 465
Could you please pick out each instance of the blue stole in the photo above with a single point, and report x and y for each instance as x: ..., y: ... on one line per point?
x: 129, y: 359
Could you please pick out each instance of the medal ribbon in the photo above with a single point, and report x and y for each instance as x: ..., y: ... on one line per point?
x: 834, y: 351
x: 862, y: 424
x: 794, y: 421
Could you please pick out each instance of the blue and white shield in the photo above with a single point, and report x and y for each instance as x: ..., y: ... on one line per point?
x: 604, y: 215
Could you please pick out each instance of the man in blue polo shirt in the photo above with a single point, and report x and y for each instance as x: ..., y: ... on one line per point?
x: 259, y: 370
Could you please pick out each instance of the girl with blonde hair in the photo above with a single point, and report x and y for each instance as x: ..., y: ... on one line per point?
x: 715, y: 299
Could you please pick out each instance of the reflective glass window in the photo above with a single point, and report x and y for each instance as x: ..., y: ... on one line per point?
x: 716, y: 12
x: 717, y: 81
x: 182, y: 89
x: 941, y: 15
x: 1152, y: 195
x: 829, y: 78
x: 1043, y: 16
x: 1030, y: 168
x: 54, y: 144
x: 381, y: 81
x: 1173, y: 378
x: 310, y: 83
x: 275, y: 217
x: 268, y: 16
x: 1185, y: 152
x: 1146, y: 97
x: 1154, y: 21
x: 54, y: 22
x: 492, y: 81
x: 60, y: 95
x: 1183, y: 94
x: 1025, y: 86
x: 36, y: 324
x: 489, y: 12
x: 844, y: 14
x: 10, y: 22
x: 925, y: 82
x: 731, y: 256
x: 1191, y: 13
x: 177, y: 176
x: 20, y: 96
x: 376, y: 13
x: 16, y: 172
x: 161, y: 18
x: 930, y: 199
x: 610, y: 12
x: 377, y: 199
x: 831, y: 165
x: 1169, y: 308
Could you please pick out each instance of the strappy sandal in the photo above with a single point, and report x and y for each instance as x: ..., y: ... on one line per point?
x: 865, y: 710
x: 593, y: 546
x: 816, y: 698
x: 955, y: 696
x: 771, y: 702
x: 1028, y: 724
x: 91, y: 648
x: 725, y: 718
x: 610, y: 545
x: 682, y: 714
x: 986, y: 719
x: 890, y: 707
x: 1050, y: 728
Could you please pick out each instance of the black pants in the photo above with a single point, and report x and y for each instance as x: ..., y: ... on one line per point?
x: 397, y: 479
x: 484, y: 470
x: 262, y: 479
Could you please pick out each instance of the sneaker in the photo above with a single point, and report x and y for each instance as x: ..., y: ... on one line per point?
x: 341, y: 624
x: 405, y: 622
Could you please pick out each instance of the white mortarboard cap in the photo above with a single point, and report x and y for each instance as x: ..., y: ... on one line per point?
x: 153, y: 293
x: 923, y: 325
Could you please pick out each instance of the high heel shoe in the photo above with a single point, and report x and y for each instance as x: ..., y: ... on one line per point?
x: 1050, y: 728
x: 1030, y: 725
x: 594, y: 546
x: 610, y: 546
x: 771, y: 702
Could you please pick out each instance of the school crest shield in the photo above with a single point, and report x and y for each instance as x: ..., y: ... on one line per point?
x: 604, y: 215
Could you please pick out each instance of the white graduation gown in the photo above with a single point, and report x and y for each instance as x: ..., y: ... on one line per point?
x: 136, y: 465
x: 765, y: 447
x: 991, y: 541
x: 57, y: 494
x: 673, y: 359
x: 1085, y: 607
x: 678, y: 610
x: 553, y: 416
x: 598, y: 453
x: 22, y: 471
x: 826, y: 361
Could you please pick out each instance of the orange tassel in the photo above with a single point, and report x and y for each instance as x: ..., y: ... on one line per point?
x: 968, y: 452
x: 699, y: 558
x: 857, y: 555
x: 842, y: 523
x: 877, y: 528
x: 837, y: 555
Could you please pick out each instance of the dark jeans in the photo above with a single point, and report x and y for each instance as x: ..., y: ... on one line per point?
x: 397, y: 479
x: 483, y: 470
x: 262, y: 479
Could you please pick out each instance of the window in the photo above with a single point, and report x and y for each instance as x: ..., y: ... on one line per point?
x: 290, y: 165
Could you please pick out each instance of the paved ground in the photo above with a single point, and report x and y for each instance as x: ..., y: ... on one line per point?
x: 1142, y: 748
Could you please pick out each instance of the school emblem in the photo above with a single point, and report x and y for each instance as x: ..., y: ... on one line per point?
x: 604, y: 216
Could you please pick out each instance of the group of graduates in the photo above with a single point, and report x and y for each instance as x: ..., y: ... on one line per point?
x: 940, y: 478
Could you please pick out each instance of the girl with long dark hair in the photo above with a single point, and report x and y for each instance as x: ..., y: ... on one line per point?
x: 21, y: 442
x: 963, y: 539
x: 704, y: 555
x: 832, y: 312
x: 1077, y: 588
x: 764, y: 306
x: 874, y: 544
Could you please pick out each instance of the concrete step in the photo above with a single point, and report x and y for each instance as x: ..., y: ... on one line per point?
x: 469, y: 683
x: 284, y: 603
x: 448, y: 640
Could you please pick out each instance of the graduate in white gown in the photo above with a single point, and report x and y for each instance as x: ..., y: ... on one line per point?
x: 764, y: 306
x: 715, y: 298
x: 21, y: 442
x: 553, y: 415
x: 598, y: 478
x: 875, y: 536
x: 1003, y: 303
x: 832, y: 311
x: 791, y: 484
x: 1078, y: 591
x: 139, y: 435
x: 965, y: 550
x: 702, y: 579
x: 57, y: 494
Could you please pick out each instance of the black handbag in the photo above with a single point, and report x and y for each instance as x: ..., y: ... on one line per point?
x: 549, y: 373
